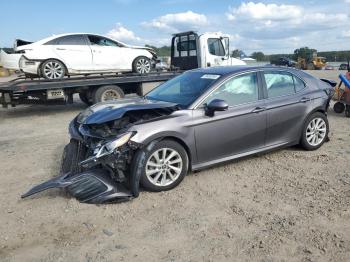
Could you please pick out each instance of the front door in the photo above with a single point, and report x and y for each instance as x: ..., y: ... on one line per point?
x: 239, y: 129
x: 108, y: 54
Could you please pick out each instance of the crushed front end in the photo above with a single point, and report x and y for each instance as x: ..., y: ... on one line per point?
x: 97, y: 163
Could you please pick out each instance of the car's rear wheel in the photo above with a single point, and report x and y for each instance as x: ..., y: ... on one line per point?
x: 315, y: 131
x: 106, y: 93
x: 163, y: 166
x: 141, y: 65
x: 53, y: 69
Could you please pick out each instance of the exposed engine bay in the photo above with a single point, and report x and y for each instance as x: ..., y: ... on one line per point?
x: 97, y: 164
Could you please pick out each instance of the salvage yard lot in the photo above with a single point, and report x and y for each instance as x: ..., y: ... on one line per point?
x: 286, y: 205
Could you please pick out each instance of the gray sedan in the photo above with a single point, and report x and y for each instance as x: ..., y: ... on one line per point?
x: 198, y: 119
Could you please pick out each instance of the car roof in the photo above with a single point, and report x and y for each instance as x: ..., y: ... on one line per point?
x: 228, y: 70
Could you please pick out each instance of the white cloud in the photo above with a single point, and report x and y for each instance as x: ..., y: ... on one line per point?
x: 260, y: 11
x: 119, y: 32
x: 272, y: 21
x: 172, y: 23
x: 345, y: 34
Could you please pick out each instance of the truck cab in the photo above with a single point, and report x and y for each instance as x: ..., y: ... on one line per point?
x: 190, y: 50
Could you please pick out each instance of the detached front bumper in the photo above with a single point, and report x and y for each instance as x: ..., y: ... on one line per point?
x: 92, y: 186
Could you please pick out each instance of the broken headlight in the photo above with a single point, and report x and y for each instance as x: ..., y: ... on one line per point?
x: 121, y: 140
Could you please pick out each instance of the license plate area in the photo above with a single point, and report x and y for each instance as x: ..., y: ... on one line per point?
x: 55, y: 94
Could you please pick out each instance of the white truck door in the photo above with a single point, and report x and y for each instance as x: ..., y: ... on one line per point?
x: 73, y: 51
x: 213, y: 52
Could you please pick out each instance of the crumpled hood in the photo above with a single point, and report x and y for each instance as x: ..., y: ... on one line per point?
x: 112, y: 110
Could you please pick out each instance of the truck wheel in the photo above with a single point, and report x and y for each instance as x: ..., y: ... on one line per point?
x: 339, y: 107
x: 141, y: 65
x: 53, y: 69
x: 105, y: 93
x: 85, y: 98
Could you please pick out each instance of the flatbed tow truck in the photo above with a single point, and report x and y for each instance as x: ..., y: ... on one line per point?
x: 188, y: 51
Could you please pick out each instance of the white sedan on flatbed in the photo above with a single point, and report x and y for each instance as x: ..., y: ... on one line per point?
x: 68, y: 54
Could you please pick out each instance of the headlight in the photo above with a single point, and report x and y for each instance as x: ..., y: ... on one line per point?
x: 121, y: 140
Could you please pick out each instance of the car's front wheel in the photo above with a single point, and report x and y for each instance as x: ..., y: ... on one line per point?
x: 315, y: 131
x: 141, y: 65
x: 164, y: 166
x: 53, y: 69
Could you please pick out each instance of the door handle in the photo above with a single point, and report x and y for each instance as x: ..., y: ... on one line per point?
x: 60, y: 49
x: 305, y: 99
x: 258, y: 109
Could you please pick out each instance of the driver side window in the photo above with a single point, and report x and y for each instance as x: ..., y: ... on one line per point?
x: 238, y: 90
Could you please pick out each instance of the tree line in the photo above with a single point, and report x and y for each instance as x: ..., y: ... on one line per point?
x: 304, y: 52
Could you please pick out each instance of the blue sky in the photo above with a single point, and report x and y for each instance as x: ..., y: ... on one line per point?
x: 268, y: 26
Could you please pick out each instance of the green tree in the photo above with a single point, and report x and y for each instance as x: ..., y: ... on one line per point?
x: 236, y: 53
x: 259, y: 56
x: 304, y: 52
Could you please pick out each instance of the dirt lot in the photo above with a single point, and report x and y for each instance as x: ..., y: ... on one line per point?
x: 289, y: 205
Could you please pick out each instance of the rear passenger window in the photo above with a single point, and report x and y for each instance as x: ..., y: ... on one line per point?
x: 279, y: 84
x: 68, y: 40
x: 299, y: 85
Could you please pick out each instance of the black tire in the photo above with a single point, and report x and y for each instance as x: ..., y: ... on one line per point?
x: 101, y: 93
x: 73, y: 154
x: 61, y: 69
x: 85, y: 98
x: 339, y: 107
x: 304, y: 143
x: 147, y: 152
x: 137, y: 65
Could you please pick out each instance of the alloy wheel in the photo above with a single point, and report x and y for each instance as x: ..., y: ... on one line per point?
x: 143, y: 66
x: 109, y: 95
x: 316, y: 131
x: 53, y: 70
x: 164, y: 167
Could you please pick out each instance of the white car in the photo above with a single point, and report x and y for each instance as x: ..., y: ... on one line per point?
x: 67, y: 54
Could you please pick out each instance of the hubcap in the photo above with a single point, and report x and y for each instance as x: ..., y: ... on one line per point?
x: 143, y: 66
x: 164, y: 167
x: 53, y: 70
x: 316, y: 131
x: 109, y: 95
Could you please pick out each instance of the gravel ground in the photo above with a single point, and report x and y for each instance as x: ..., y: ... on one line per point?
x: 289, y: 205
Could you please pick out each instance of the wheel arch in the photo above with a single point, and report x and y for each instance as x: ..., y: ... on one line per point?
x: 176, y: 138
x: 319, y: 109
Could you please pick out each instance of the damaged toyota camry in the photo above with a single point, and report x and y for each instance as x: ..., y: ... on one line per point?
x: 198, y: 119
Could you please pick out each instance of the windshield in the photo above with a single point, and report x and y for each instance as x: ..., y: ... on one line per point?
x: 183, y: 89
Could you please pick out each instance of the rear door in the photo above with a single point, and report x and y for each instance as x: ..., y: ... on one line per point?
x: 239, y: 129
x: 74, y: 51
x: 109, y: 54
x: 286, y: 106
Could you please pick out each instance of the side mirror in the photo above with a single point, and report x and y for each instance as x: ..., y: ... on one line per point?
x: 215, y: 105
